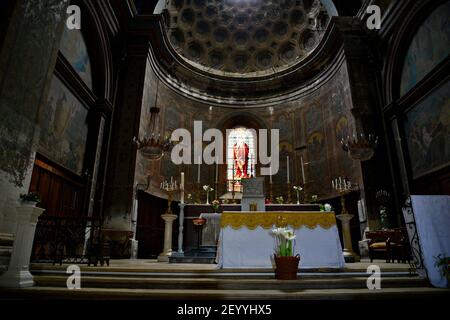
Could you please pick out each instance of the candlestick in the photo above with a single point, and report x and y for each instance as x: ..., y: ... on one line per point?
x: 303, y: 171
x: 270, y: 174
x: 198, y: 170
x: 182, y: 188
x: 289, y: 198
x: 287, y: 160
x: 217, y: 173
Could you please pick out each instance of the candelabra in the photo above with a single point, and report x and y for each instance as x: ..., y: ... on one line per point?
x: 360, y: 147
x: 344, y: 187
x: 170, y: 187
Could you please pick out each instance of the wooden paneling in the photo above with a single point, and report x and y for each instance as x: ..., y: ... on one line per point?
x: 150, y: 226
x: 61, y: 192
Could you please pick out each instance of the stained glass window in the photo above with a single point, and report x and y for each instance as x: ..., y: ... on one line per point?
x: 241, y: 157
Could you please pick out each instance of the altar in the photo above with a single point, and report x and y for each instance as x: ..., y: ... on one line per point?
x: 246, y: 239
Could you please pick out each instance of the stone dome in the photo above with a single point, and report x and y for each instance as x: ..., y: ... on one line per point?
x: 245, y: 37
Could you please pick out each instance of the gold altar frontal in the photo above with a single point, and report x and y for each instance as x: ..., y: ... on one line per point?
x: 267, y: 220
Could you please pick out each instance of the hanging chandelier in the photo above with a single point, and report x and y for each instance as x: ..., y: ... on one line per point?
x: 154, y: 146
x: 360, y: 147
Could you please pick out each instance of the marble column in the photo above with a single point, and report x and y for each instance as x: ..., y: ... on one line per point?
x: 167, y: 252
x: 18, y: 274
x: 349, y: 254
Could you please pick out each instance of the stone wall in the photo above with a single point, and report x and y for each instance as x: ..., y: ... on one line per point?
x: 316, y: 121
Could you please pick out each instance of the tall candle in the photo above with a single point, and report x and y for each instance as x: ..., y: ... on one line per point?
x: 198, y: 170
x: 182, y: 188
x: 287, y: 160
x: 303, y: 171
x: 270, y: 168
x: 217, y: 172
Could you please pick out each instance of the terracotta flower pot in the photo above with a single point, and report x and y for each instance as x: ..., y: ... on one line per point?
x: 286, y: 267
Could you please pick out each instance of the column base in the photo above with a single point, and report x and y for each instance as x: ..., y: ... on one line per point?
x: 164, y: 257
x: 134, y: 249
x: 178, y: 254
x: 16, y: 279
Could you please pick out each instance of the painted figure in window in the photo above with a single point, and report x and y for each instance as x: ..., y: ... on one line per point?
x: 241, y: 156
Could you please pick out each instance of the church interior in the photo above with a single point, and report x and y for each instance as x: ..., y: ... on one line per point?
x: 217, y: 149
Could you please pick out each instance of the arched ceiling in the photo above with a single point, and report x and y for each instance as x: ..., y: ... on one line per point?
x: 245, y: 37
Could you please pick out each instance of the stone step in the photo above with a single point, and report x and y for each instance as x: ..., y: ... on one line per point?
x: 228, y: 284
x: 197, y: 259
x: 47, y: 293
x: 6, y: 239
x: 5, y: 251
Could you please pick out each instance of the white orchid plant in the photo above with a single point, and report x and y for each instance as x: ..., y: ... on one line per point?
x: 285, y: 241
x: 207, y: 188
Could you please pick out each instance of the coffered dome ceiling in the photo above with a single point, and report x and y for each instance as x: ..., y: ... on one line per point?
x: 245, y: 37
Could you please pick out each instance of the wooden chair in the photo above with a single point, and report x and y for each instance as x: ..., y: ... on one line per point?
x: 378, y: 245
x: 399, y: 248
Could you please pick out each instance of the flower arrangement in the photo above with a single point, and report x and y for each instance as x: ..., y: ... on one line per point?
x: 208, y: 189
x: 189, y: 198
x: 298, y: 189
x: 279, y: 200
x: 30, y: 197
x: 216, y: 205
x: 285, y: 238
x: 326, y: 207
x: 314, y: 198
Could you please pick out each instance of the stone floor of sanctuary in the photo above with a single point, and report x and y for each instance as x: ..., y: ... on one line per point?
x: 148, y: 279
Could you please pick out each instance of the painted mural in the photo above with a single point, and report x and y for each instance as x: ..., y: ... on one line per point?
x: 428, y: 133
x: 74, y: 49
x: 64, y: 129
x: 430, y: 46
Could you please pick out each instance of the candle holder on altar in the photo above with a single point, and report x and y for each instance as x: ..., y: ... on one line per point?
x: 170, y: 188
x: 216, y: 188
x: 197, y: 193
x: 289, y: 197
x: 271, y: 192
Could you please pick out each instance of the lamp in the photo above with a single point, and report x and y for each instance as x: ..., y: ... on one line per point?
x: 360, y: 147
x: 153, y: 146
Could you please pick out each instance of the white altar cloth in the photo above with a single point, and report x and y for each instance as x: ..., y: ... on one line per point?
x: 245, y: 248
x: 432, y: 216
